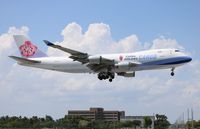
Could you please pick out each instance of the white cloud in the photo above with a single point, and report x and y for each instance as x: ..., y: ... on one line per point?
x: 29, y: 86
x: 8, y: 47
x: 6, y: 40
x: 128, y: 44
x: 97, y: 39
x: 163, y: 42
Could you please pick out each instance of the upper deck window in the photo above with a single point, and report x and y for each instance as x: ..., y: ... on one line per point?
x: 177, y: 51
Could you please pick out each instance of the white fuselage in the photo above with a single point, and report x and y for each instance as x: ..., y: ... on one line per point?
x: 146, y: 60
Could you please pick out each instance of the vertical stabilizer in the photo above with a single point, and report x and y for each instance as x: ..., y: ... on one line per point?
x: 27, y: 48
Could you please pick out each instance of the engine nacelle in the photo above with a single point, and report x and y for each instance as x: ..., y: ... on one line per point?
x: 127, y: 74
x: 95, y: 59
x: 123, y: 65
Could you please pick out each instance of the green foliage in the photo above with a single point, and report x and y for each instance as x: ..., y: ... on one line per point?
x: 147, y: 121
x: 161, y: 122
x: 33, y: 122
x: 130, y: 124
x: 79, y: 123
x: 83, y: 124
x: 127, y: 124
x: 136, y: 123
x: 196, y: 124
x: 99, y: 124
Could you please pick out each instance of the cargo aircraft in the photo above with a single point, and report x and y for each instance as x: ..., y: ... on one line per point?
x: 106, y: 66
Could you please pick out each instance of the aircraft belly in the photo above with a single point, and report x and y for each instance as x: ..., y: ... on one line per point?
x: 153, y: 67
x: 72, y: 68
x: 147, y: 67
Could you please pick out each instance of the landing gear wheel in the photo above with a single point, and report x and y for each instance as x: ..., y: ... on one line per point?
x: 172, y: 73
x: 111, y: 75
x: 100, y: 77
x: 106, y: 75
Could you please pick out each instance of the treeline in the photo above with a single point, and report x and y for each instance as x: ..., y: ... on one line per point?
x: 24, y: 122
x: 196, y: 124
x: 77, y: 123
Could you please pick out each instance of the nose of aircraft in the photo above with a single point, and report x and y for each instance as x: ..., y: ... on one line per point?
x: 188, y: 59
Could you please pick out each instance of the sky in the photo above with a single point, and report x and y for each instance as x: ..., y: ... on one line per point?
x: 100, y: 27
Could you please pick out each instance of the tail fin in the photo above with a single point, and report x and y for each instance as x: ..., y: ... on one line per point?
x: 27, y: 48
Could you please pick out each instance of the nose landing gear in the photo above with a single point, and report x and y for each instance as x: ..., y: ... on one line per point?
x: 172, y: 71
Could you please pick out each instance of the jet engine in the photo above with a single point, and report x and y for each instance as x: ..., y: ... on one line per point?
x: 123, y: 65
x: 127, y: 74
x: 95, y: 59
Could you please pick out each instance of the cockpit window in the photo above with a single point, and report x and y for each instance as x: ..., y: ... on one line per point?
x: 177, y: 51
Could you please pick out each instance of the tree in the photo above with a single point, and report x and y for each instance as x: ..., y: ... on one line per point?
x: 195, y: 123
x: 63, y: 122
x: 34, y: 122
x: 147, y: 121
x: 161, y: 122
x: 83, y: 124
x: 136, y: 123
x: 127, y: 124
x: 99, y: 124
x: 77, y: 122
x: 48, y: 122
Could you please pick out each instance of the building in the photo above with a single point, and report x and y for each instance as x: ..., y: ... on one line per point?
x: 98, y: 114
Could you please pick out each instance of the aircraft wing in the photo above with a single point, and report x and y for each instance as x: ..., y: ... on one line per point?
x: 101, y: 66
x: 75, y: 55
x: 98, y: 64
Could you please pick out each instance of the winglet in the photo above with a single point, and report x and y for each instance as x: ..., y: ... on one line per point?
x: 48, y: 43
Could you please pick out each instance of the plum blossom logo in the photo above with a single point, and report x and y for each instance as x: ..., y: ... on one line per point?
x: 28, y: 49
x: 120, y: 57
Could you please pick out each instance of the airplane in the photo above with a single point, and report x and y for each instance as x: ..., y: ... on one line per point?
x: 106, y: 66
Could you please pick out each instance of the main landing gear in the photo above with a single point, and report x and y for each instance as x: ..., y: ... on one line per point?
x: 172, y: 71
x: 106, y: 75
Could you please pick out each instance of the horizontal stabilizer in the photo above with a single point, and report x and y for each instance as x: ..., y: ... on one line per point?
x: 24, y: 60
